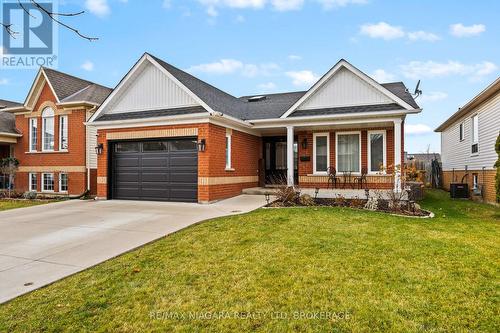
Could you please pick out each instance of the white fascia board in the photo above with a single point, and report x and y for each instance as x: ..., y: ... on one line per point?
x: 360, y: 74
x: 332, y: 122
x: 11, y: 135
x: 146, y: 121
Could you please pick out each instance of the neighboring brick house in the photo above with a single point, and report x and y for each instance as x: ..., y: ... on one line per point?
x: 468, y: 143
x: 163, y: 134
x: 55, y: 149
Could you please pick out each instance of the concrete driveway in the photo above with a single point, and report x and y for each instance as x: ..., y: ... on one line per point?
x: 42, y: 244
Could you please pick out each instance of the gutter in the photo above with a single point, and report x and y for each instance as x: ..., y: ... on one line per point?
x: 11, y: 134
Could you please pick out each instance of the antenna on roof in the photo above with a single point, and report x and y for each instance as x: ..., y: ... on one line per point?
x: 417, y: 92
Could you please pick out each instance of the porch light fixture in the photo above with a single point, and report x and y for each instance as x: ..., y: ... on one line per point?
x: 99, y: 149
x: 202, y: 145
x: 304, y: 143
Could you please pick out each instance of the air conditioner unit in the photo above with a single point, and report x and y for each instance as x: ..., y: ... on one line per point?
x: 459, y: 190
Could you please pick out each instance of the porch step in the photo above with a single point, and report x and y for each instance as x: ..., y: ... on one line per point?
x: 259, y: 191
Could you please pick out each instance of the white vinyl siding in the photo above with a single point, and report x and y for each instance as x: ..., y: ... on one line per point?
x: 344, y: 89
x: 458, y: 154
x: 152, y: 89
x: 91, y: 134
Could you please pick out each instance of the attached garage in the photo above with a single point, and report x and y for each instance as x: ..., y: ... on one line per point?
x: 159, y: 170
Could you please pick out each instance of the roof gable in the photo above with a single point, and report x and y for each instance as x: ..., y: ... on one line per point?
x: 345, y: 85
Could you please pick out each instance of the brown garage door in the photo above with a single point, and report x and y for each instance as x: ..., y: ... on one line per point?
x: 160, y: 170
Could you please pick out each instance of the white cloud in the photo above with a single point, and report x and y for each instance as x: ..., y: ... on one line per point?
x: 433, y: 96
x: 98, y: 7
x: 423, y: 35
x: 88, y: 66
x: 382, y: 76
x: 382, y: 30
x: 302, y: 78
x: 167, y: 4
x: 232, y: 66
x: 3, y: 82
x: 460, y: 30
x: 420, y: 69
x: 294, y: 57
x: 417, y: 129
x: 284, y: 5
x: 234, y: 3
x: 267, y: 86
x: 330, y: 4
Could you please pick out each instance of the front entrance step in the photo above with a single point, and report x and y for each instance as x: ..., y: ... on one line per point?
x: 259, y: 191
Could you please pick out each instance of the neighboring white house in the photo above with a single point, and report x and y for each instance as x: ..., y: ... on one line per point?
x: 468, y: 143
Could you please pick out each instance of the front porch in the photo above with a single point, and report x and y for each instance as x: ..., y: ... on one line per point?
x: 5, y: 151
x: 348, y: 156
x: 325, y: 193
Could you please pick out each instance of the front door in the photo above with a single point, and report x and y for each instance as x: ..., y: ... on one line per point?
x: 275, y: 160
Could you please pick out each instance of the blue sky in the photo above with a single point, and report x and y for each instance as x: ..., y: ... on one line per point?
x: 254, y: 46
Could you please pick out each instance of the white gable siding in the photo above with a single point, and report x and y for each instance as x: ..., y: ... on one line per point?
x: 345, y: 89
x: 456, y: 154
x: 151, y: 89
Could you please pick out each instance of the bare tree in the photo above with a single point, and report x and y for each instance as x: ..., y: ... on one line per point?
x: 56, y: 17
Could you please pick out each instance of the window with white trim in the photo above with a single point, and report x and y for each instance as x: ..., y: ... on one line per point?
x: 48, y: 129
x: 475, y: 134
x: 348, y: 152
x: 461, y: 131
x: 33, y: 180
x: 47, y: 182
x: 376, y: 151
x: 228, y: 149
x: 63, y: 182
x: 33, y: 134
x: 475, y: 181
x: 321, y: 152
x: 63, y: 133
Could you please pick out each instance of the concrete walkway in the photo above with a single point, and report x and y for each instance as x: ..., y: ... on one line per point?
x: 42, y: 244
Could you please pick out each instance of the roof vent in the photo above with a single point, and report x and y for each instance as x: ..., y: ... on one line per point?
x: 256, y: 98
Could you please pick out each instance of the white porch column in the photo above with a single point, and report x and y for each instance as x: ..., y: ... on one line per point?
x: 289, y: 156
x: 397, y: 154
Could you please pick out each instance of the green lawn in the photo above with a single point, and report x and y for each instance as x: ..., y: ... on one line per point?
x: 382, y: 273
x: 6, y: 204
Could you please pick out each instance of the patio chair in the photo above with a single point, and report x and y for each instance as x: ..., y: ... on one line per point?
x: 332, y: 177
x: 347, y: 179
x: 361, y: 179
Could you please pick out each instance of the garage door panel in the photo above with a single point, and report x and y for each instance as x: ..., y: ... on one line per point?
x: 164, y: 170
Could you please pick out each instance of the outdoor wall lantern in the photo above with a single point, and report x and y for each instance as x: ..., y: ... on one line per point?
x: 304, y: 143
x: 202, y: 145
x: 99, y: 149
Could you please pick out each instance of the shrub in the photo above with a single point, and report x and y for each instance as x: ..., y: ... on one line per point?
x: 286, y: 195
x: 357, y: 203
x: 340, y: 201
x: 306, y: 200
x: 497, y: 165
x: 30, y: 195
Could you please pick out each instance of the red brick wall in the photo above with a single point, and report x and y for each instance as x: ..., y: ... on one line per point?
x: 246, y: 152
x: 74, y: 157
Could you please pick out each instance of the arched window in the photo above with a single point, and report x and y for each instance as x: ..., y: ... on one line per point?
x: 48, y: 129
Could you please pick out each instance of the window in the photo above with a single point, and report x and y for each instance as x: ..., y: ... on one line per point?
x: 475, y: 134
x: 33, y: 182
x: 127, y: 147
x: 181, y: 145
x: 48, y: 182
x: 154, y: 146
x: 33, y: 134
x: 48, y: 129
x: 321, y: 151
x: 280, y: 153
x: 349, y: 152
x: 228, y: 149
x: 475, y: 182
x: 461, y: 131
x: 376, y: 151
x: 63, y: 133
x: 63, y: 182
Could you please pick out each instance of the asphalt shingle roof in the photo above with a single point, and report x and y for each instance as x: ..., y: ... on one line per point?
x: 70, y: 88
x: 347, y: 109
x: 151, y: 114
x: 273, y: 106
x: 7, y: 119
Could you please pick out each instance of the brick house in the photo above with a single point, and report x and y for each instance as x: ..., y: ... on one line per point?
x: 468, y: 143
x: 55, y: 149
x: 163, y: 134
